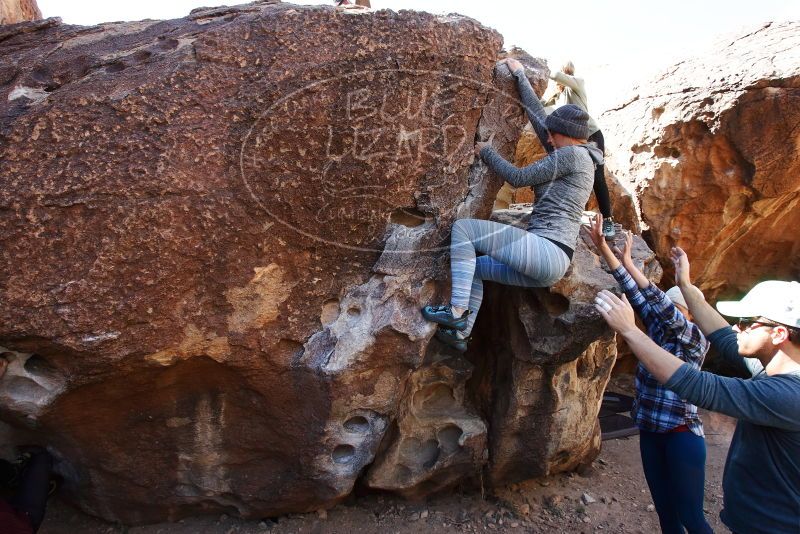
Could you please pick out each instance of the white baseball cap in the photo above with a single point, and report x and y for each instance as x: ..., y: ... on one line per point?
x: 774, y: 299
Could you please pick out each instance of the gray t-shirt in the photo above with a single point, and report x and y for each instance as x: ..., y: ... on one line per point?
x: 562, y: 181
x: 761, y: 482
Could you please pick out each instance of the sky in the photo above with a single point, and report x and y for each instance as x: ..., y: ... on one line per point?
x: 614, y: 44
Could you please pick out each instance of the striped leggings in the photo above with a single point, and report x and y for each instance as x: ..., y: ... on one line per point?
x: 513, y: 257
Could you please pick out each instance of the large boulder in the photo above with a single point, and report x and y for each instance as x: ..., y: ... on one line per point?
x: 217, y: 233
x: 710, y: 152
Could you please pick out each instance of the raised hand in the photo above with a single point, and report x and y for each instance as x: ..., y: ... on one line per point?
x: 617, y: 312
x: 599, y: 240
x: 512, y: 64
x: 596, y: 232
x: 680, y: 260
x: 480, y: 145
x: 627, y: 249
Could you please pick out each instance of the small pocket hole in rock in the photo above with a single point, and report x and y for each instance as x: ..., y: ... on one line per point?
x: 449, y: 437
x: 330, y: 311
x: 429, y: 454
x: 344, y: 454
x: 357, y: 425
x: 555, y: 304
x: 37, y: 365
x: 410, y: 217
x: 117, y: 66
x: 435, y: 398
x: 353, y: 311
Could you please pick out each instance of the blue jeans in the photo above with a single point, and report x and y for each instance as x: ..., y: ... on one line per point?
x: 674, y: 466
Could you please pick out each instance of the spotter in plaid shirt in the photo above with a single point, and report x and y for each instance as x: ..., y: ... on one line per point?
x: 655, y: 408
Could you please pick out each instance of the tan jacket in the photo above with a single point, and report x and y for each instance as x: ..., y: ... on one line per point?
x: 574, y: 93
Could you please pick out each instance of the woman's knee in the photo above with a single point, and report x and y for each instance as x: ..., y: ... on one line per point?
x: 461, y: 227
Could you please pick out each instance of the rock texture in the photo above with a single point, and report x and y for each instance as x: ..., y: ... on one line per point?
x: 13, y: 11
x: 215, y: 236
x: 710, y: 151
x: 544, y: 357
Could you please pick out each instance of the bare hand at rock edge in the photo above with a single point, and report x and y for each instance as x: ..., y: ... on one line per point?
x: 480, y: 145
x: 617, y: 312
x: 512, y: 64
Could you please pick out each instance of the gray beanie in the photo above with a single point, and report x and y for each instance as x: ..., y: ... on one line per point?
x: 569, y: 120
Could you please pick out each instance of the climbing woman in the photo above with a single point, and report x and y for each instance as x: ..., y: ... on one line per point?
x: 539, y: 257
x: 671, y: 439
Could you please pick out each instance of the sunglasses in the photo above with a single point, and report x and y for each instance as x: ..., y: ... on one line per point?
x: 750, y: 323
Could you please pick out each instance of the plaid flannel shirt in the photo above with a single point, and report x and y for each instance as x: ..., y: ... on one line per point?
x: 655, y: 408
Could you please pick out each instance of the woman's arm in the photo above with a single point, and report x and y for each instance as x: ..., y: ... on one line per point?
x: 627, y: 261
x: 621, y: 275
x: 530, y: 102
x: 566, y: 80
x: 706, y: 317
x: 542, y: 171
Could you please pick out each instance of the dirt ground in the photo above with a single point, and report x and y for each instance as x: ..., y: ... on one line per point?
x: 618, y: 502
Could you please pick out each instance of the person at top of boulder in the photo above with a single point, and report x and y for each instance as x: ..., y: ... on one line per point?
x: 540, y: 255
x: 671, y: 439
x: 761, y: 481
x: 572, y: 90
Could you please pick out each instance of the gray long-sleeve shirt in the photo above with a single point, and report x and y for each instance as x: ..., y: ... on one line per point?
x: 562, y: 181
x: 761, y: 482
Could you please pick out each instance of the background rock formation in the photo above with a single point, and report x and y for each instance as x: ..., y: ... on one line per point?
x: 215, y: 236
x: 13, y: 11
x: 710, y: 151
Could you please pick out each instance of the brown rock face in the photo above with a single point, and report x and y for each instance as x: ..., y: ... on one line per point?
x: 711, y: 152
x: 13, y: 11
x: 215, y: 244
x: 215, y: 237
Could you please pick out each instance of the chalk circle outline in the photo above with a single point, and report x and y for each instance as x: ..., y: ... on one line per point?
x: 414, y: 72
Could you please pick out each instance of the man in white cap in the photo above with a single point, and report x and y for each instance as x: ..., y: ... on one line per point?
x: 761, y: 483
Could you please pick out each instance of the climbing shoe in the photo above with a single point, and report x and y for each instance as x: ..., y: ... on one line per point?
x: 444, y: 316
x: 449, y: 337
x: 609, y: 230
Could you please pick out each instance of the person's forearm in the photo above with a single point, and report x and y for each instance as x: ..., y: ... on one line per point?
x: 641, y: 280
x: 565, y: 80
x: 611, y: 260
x: 539, y: 172
x: 703, y: 314
x: 660, y: 363
x: 533, y: 108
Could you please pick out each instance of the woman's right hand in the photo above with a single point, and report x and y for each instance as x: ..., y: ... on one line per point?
x: 512, y: 64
